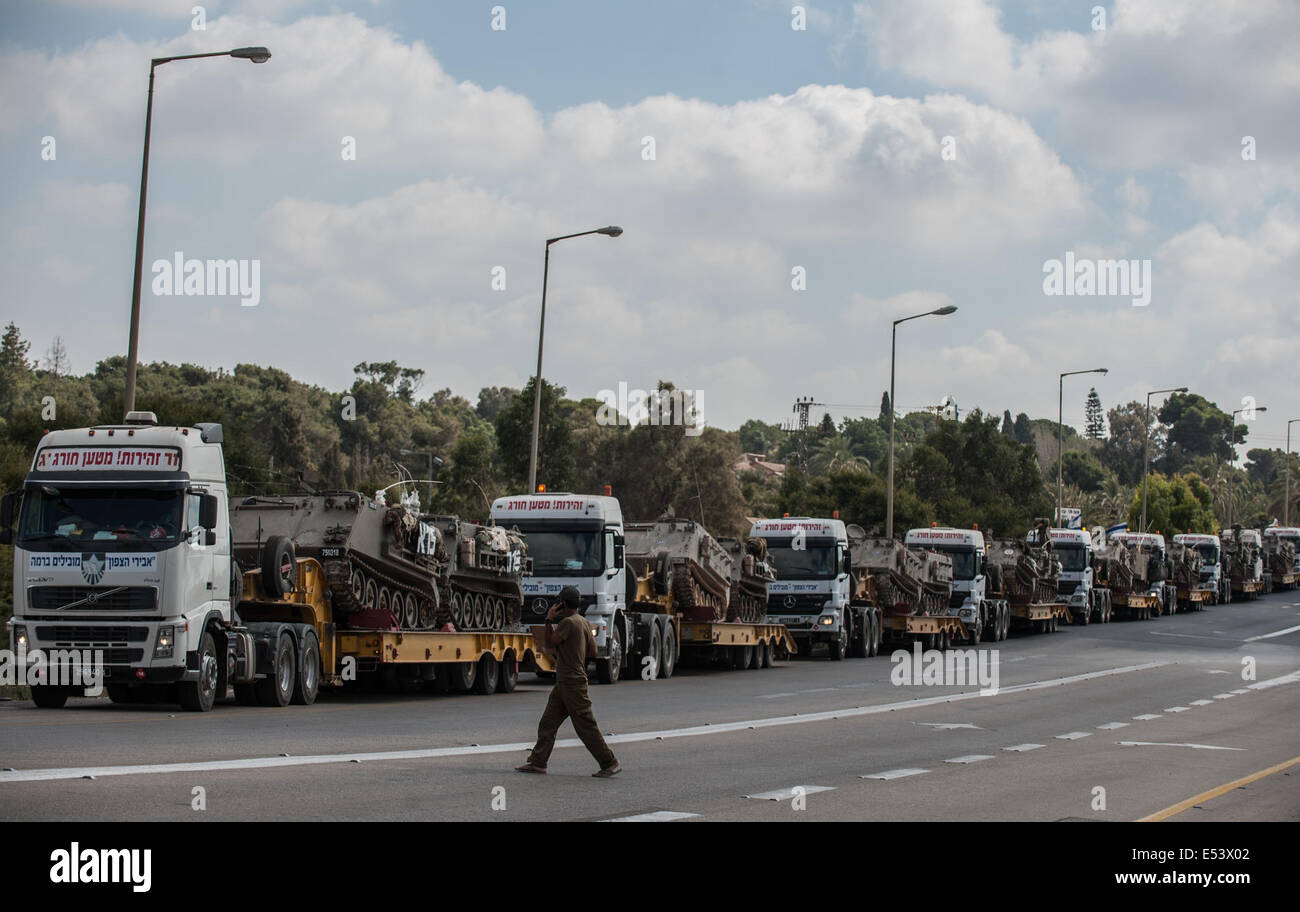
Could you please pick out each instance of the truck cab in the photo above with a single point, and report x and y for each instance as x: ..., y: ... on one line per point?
x: 122, y: 548
x: 1151, y: 546
x: 1208, y: 548
x: 1073, y: 549
x: 573, y: 540
x: 812, y: 592
x: 970, y: 594
x: 1275, y: 534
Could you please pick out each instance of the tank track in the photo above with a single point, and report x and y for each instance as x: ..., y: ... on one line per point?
x: 695, y: 594
x: 748, y: 602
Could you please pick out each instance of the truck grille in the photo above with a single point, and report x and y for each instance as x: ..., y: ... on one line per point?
x: 86, y: 637
x: 801, y: 604
x: 133, y: 598
x: 1066, y: 587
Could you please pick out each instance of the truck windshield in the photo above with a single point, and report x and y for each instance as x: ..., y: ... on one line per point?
x: 112, y: 519
x: 1209, y: 553
x: 566, y: 553
x: 813, y: 562
x: 963, y: 562
x: 1073, y: 558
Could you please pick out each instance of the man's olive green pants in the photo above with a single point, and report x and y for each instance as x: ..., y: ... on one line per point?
x: 569, y: 700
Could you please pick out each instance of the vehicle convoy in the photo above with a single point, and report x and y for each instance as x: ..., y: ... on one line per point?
x: 1282, y: 551
x: 980, y: 610
x: 1243, y: 562
x: 1138, y: 575
x: 388, y: 567
x: 124, y: 548
x: 1185, y: 574
x: 813, y: 595
x: 1025, y: 573
x: 1077, y: 583
x: 1212, y: 577
x: 911, y: 586
x: 658, y: 591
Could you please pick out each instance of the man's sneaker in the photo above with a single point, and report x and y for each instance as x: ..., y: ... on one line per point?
x: 529, y: 768
x: 609, y: 771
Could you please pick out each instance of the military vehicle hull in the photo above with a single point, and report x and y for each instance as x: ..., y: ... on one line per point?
x: 685, y: 561
x: 750, y: 574
x: 900, y: 581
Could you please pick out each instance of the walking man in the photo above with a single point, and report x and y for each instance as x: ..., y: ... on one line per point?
x: 570, y: 636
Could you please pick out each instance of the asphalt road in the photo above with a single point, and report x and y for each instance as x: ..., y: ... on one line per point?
x: 1105, y: 722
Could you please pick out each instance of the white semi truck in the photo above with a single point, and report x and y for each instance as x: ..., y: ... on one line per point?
x: 1076, y: 584
x: 983, y: 616
x: 1212, y: 575
x: 1284, y: 577
x: 812, y: 595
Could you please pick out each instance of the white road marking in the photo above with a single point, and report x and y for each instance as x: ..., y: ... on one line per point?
x: 1269, y: 636
x: 970, y: 758
x: 1291, y: 678
x: 1185, y: 636
x: 786, y: 794
x: 775, y: 696
x: 652, y: 817
x: 1110, y: 726
x: 1241, y: 691
x: 1218, y: 671
x: 895, y: 774
x: 947, y: 726
x: 1073, y: 736
x: 1202, y: 702
x: 1223, y: 696
x: 1021, y: 748
x: 41, y: 775
x: 1208, y: 747
x: 1147, y: 717
x: 1175, y: 709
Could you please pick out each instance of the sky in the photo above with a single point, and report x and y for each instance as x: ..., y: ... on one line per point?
x: 785, y: 193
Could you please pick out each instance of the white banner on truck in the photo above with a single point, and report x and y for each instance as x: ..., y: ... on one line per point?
x: 107, y: 458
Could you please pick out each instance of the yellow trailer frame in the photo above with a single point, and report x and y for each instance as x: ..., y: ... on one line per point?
x: 924, y: 625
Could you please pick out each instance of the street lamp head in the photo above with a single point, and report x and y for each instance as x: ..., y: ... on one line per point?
x: 611, y: 231
x: 1261, y: 408
x: 255, y: 54
x: 1102, y: 370
x: 944, y: 311
x: 1181, y: 389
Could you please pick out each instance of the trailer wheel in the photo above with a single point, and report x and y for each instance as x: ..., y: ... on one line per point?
x: 279, y: 566
x: 877, y: 632
x: 198, y: 696
x: 488, y: 676
x: 841, y: 643
x: 764, y: 654
x: 47, y: 696
x: 668, y: 652
x: 276, y: 689
x: 861, y: 646
x: 461, y: 676
x: 654, y: 651
x: 308, y: 684
x: 509, y: 675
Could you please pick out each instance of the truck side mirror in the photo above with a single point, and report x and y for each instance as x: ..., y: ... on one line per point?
x: 848, y: 563
x: 6, y: 519
x: 620, y: 550
x: 208, y: 518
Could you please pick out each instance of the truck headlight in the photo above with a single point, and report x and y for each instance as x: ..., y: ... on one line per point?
x: 826, y: 620
x: 20, y: 638
x: 166, y: 642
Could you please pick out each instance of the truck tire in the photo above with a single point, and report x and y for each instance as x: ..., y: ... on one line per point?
x: 279, y: 567
x: 608, y: 670
x: 877, y: 633
x: 668, y: 652
x: 765, y: 654
x: 198, y: 696
x: 509, y: 672
x: 236, y: 584
x: 488, y: 676
x: 47, y: 696
x: 861, y: 645
x: 307, y: 686
x: 276, y: 689
x: 461, y: 676
x: 840, y: 645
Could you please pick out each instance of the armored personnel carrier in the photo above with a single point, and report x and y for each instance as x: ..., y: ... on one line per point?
x: 750, y: 574
x: 1025, y: 571
x: 1242, y: 560
x: 1113, y: 564
x: 901, y: 581
x: 683, y: 560
x: 388, y: 567
x: 1185, y: 565
x: 1281, y: 555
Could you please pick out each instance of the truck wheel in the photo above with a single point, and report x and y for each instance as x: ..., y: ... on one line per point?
x: 279, y: 566
x: 489, y: 675
x: 276, y: 689
x: 47, y: 696
x: 198, y: 696
x: 654, y: 651
x: 236, y: 584
x: 509, y: 672
x: 668, y: 652
x: 308, y: 684
x: 764, y: 654
x: 841, y: 643
x: 608, y: 670
x: 461, y: 676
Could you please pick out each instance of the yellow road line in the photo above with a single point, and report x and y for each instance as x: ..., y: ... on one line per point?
x: 1216, y: 792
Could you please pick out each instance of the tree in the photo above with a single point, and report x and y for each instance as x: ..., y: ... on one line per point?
x: 1021, y: 429
x: 760, y: 437
x: 1083, y: 470
x: 1096, y: 421
x: 1129, y: 430
x: 1197, y: 427
x: 826, y: 428
x: 56, y: 358
x: 886, y: 408
x: 514, y: 427
x: 1183, y: 503
x: 1008, y: 426
x: 492, y: 399
x: 15, y: 372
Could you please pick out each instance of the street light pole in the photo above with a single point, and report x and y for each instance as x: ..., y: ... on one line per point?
x: 1060, y: 420
x: 1232, y: 443
x: 608, y: 231
x: 255, y: 54
x: 1146, y: 449
x: 1286, y: 506
x: 893, y: 409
